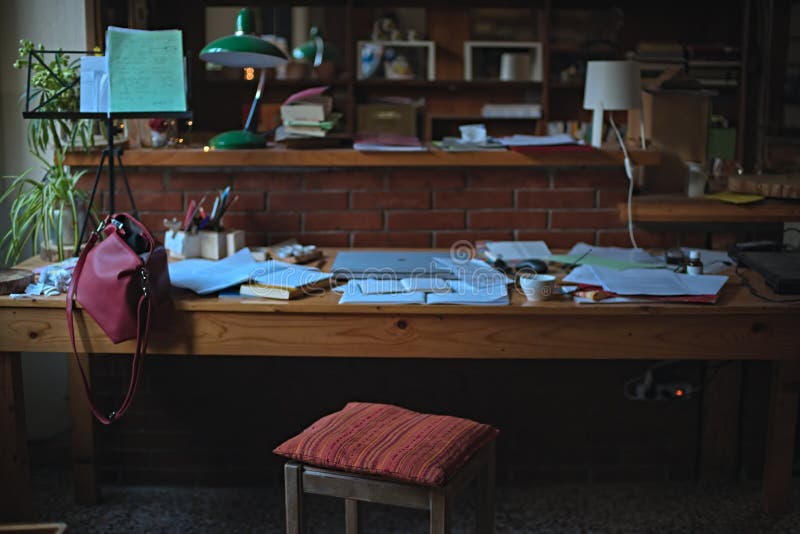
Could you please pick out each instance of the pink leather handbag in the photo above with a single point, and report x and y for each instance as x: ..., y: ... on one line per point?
x: 121, y: 278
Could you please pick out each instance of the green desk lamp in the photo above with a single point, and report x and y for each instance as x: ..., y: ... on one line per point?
x: 243, y: 49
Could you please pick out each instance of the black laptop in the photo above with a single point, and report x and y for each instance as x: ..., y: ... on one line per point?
x: 781, y: 270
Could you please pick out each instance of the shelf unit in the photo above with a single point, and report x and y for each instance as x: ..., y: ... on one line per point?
x: 450, y: 98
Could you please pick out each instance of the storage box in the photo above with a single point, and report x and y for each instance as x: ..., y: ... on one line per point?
x: 234, y: 241
x: 676, y: 115
x: 676, y: 121
x: 212, y: 245
x: 399, y: 119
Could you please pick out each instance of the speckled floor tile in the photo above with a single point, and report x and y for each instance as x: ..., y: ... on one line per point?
x: 546, y: 508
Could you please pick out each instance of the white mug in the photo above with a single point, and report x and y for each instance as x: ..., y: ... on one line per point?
x: 537, y: 286
x: 515, y: 67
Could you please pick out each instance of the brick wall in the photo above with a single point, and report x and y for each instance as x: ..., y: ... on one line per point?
x: 402, y: 207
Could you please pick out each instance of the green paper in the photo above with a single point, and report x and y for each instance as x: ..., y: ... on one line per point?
x: 602, y: 262
x: 145, y: 70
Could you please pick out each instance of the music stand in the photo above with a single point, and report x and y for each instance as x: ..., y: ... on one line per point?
x: 111, y: 151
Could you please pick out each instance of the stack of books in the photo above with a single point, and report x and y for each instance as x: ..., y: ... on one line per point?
x: 656, y: 57
x: 715, y: 65
x: 307, y: 114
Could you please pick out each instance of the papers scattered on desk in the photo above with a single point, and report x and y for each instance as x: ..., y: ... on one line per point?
x: 281, y: 280
x: 208, y: 276
x: 389, y: 143
x: 459, y: 292
x: 476, y: 273
x: 611, y: 257
x: 646, y: 285
x: 513, y: 252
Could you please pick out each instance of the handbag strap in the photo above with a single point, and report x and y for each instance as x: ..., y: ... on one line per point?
x: 143, y: 310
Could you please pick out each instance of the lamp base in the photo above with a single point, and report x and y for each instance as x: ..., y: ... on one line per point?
x: 237, y: 139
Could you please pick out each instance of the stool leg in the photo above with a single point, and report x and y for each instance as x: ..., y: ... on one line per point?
x: 486, y: 496
x: 293, y: 481
x: 351, y: 516
x: 440, y: 511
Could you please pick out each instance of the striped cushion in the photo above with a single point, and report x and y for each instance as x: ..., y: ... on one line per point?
x: 384, y: 440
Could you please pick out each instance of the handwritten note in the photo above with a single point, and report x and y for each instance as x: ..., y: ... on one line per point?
x: 146, y: 70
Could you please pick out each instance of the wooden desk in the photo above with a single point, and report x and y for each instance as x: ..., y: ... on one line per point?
x: 739, y: 327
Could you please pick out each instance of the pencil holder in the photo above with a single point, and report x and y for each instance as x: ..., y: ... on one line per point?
x: 212, y: 245
x: 182, y: 245
x: 234, y: 241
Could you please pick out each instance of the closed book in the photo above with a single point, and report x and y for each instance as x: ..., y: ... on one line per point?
x: 308, y: 131
x: 312, y: 108
x: 259, y: 290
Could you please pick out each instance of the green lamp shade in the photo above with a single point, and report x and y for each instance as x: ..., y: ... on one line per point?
x: 243, y: 51
x: 237, y: 139
x: 243, y: 48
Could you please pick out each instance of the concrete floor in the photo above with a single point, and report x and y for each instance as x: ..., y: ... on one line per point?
x: 537, y: 508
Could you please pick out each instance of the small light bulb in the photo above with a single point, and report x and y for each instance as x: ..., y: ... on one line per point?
x: 249, y: 73
x: 206, y: 148
x: 679, y: 393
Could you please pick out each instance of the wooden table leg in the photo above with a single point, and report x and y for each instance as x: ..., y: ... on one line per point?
x: 781, y: 429
x: 440, y: 511
x: 486, y: 494
x: 720, y: 431
x: 15, y: 474
x: 293, y: 483
x: 87, y: 489
x: 351, y: 516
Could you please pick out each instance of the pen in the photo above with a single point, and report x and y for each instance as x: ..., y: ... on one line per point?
x: 576, y: 262
x: 225, y: 208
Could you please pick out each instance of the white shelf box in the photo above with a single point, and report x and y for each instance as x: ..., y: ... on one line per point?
x: 421, y: 57
x: 496, y: 49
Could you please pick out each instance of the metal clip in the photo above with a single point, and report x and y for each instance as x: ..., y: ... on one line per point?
x: 145, y: 285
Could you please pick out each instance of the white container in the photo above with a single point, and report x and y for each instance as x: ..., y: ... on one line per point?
x: 182, y: 245
x: 696, y: 186
x: 537, y: 287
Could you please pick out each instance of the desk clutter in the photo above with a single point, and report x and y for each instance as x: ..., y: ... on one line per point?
x: 585, y: 274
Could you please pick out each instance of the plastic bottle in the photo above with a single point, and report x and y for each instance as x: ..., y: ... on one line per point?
x: 695, y: 266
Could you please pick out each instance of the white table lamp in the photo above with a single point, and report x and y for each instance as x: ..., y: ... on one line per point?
x: 611, y: 85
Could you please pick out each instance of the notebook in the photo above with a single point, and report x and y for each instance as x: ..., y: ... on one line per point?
x: 353, y: 264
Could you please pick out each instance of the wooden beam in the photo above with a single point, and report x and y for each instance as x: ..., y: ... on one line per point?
x: 781, y: 430
x: 87, y: 488
x: 15, y: 476
x: 343, y: 157
x: 720, y: 431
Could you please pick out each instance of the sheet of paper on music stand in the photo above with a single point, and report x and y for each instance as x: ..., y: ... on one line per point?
x: 514, y: 251
x: 146, y: 70
x: 94, y: 84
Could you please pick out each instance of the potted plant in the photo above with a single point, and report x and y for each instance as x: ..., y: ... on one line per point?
x: 45, y: 210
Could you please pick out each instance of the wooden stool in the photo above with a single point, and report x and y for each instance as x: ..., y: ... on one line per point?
x: 302, y: 478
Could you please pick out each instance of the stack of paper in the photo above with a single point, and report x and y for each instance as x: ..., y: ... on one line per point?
x: 388, y: 143
x: 512, y: 252
x: 612, y: 257
x: 308, y: 113
x: 638, y: 285
x: 208, y: 276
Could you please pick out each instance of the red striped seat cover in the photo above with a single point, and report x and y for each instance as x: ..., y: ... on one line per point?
x: 388, y: 441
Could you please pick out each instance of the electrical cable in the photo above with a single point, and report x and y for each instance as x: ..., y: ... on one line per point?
x: 629, y: 173
x: 746, y: 283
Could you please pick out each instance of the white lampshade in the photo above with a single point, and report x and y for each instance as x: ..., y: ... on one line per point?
x: 613, y: 85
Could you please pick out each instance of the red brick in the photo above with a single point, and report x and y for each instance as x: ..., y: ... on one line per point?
x: 153, y: 221
x: 585, y: 219
x: 590, y: 178
x: 425, y: 220
x: 610, y: 198
x: 507, y: 219
x: 199, y: 181
x: 473, y: 199
x: 321, y: 239
x: 263, y: 222
x: 620, y: 238
x: 446, y: 239
x: 392, y: 239
x: 349, y: 220
x: 147, y: 201
x: 347, y: 180
x: 583, y: 198
x: 425, y: 179
x: 556, y: 240
x: 267, y: 181
x: 492, y: 178
x: 139, y: 181
x: 247, y: 201
x: 307, y: 201
x: 396, y: 199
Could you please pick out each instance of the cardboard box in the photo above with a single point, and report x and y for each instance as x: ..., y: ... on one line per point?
x: 399, y: 119
x: 676, y: 117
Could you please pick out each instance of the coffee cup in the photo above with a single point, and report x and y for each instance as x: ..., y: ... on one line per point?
x: 537, y: 286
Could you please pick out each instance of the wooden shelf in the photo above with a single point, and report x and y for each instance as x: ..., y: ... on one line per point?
x: 454, y: 85
x: 679, y: 209
x: 281, y: 157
